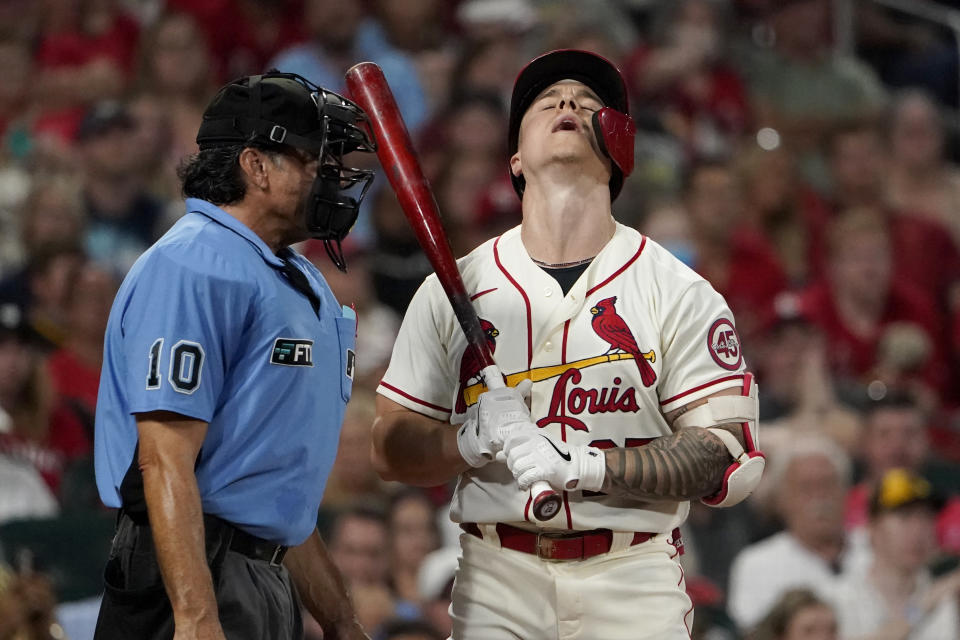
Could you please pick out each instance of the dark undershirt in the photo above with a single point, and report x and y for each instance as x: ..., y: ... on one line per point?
x: 566, y: 276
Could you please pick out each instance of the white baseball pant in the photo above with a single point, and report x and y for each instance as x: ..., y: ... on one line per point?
x: 637, y: 593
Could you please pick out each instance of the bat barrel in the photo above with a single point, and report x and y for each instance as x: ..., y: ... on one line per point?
x: 369, y: 89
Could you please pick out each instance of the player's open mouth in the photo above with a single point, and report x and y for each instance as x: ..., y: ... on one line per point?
x: 566, y: 123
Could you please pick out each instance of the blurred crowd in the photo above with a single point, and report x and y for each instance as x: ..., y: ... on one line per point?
x: 815, y: 188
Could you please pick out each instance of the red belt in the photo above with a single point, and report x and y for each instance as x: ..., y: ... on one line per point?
x: 559, y: 545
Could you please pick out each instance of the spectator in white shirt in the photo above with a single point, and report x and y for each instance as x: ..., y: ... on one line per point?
x: 897, y: 598
x: 808, y: 478
x: 23, y: 493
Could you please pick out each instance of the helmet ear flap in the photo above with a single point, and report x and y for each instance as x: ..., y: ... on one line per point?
x: 615, y: 132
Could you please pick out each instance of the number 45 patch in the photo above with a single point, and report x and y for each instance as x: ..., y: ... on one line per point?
x: 724, y: 345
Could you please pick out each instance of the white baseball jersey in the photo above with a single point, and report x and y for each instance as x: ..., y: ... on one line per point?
x: 638, y: 335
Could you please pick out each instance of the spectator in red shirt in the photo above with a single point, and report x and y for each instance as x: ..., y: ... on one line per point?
x: 75, y: 367
x: 245, y: 35
x: 789, y: 213
x: 174, y: 60
x: 923, y: 250
x: 17, y: 64
x: 33, y: 425
x: 922, y: 182
x: 175, y: 82
x: 87, y: 52
x: 704, y: 101
x: 90, y: 31
x: 860, y: 301
x: 924, y: 253
x: 737, y: 261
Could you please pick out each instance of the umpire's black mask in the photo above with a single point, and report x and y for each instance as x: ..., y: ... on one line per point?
x: 288, y: 109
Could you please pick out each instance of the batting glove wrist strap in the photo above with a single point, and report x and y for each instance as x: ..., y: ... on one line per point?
x: 471, y: 449
x: 538, y: 457
x: 593, y: 468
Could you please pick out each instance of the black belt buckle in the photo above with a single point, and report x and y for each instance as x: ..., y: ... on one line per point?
x: 256, y: 548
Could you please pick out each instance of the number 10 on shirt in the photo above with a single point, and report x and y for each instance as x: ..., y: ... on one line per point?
x: 186, y: 366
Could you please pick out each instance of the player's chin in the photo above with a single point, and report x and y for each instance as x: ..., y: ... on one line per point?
x: 584, y: 160
x: 573, y: 154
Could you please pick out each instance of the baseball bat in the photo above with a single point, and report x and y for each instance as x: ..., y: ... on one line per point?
x: 369, y: 89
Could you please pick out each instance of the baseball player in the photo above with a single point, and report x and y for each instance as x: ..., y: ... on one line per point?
x: 638, y: 397
x: 227, y: 367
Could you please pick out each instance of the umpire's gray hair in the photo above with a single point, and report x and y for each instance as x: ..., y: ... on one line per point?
x: 805, y: 445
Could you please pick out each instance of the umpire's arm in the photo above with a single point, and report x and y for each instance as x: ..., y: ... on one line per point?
x: 169, y: 445
x: 412, y: 448
x: 321, y: 589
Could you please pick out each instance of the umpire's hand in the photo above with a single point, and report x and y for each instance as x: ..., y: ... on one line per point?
x: 352, y: 631
x: 204, y: 628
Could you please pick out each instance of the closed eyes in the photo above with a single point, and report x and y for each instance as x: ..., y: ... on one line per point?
x: 586, y: 103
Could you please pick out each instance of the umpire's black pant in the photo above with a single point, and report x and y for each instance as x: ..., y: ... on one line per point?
x: 256, y: 599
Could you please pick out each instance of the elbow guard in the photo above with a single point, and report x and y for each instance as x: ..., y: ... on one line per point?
x: 743, y: 476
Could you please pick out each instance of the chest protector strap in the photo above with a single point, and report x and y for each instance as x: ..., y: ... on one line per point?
x: 743, y: 476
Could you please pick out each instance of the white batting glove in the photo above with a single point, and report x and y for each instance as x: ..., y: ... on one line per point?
x: 495, y: 416
x: 536, y: 456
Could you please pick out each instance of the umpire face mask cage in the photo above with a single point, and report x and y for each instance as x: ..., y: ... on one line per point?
x: 338, y: 190
x: 288, y: 109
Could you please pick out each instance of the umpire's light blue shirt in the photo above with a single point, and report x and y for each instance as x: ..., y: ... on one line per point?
x: 205, y: 325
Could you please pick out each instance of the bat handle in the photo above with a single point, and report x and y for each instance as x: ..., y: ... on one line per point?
x: 492, y: 377
x: 546, y: 501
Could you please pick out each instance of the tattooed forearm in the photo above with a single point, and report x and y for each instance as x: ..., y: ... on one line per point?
x: 688, y: 464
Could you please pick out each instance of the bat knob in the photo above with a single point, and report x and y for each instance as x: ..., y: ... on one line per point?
x: 546, y: 502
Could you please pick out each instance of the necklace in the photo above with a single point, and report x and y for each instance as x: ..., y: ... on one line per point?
x: 561, y: 265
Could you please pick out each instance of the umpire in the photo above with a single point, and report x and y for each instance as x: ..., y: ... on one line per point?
x: 227, y: 367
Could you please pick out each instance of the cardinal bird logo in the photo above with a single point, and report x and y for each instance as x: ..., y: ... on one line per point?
x: 611, y: 327
x: 470, y: 363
